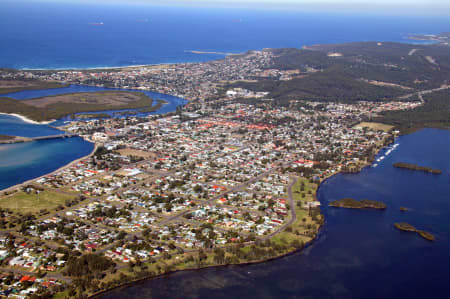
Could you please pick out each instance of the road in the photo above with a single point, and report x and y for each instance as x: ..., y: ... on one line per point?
x: 293, y: 213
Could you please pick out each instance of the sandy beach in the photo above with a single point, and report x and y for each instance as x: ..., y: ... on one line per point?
x: 27, y: 120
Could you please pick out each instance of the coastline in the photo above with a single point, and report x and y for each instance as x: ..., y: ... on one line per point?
x: 134, y: 66
x: 102, y: 68
x: 244, y: 263
x: 27, y: 120
x: 11, y: 188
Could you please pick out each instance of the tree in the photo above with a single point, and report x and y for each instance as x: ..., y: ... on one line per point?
x: 202, y: 255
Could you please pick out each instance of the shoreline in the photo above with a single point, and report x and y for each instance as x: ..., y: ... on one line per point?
x: 151, y: 65
x: 12, y: 188
x: 27, y: 120
x: 155, y: 65
x: 243, y: 264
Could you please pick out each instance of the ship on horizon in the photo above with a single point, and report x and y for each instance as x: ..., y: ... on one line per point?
x: 96, y: 24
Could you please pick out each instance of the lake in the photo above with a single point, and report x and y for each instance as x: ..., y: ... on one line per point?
x: 24, y: 161
x: 358, y: 254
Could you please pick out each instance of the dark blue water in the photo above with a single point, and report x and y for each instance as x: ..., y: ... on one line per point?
x: 37, y: 34
x: 24, y: 161
x: 172, y: 101
x: 359, y: 254
x: 13, y: 126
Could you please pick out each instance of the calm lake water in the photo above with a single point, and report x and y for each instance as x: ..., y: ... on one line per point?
x: 24, y: 161
x: 21, y: 162
x: 172, y: 101
x: 358, y: 254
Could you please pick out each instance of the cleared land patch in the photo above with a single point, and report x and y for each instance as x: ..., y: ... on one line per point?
x: 134, y: 152
x: 33, y: 202
x: 374, y: 126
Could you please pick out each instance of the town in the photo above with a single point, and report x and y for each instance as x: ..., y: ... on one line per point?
x: 229, y: 178
x: 184, y: 190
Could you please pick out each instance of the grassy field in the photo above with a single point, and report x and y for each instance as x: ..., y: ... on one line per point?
x: 23, y: 202
x: 374, y: 126
x: 299, y: 229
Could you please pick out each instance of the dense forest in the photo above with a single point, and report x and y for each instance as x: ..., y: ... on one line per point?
x: 356, y: 71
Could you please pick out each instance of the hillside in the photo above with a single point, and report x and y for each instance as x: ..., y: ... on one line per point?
x: 367, y: 71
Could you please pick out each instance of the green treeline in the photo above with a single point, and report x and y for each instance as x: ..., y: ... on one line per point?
x: 344, y: 78
x: 435, y: 113
x: 330, y: 85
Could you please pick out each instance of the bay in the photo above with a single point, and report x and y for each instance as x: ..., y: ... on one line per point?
x: 66, y: 34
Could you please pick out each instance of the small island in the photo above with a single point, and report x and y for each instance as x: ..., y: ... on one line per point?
x: 417, y: 167
x: 351, y: 203
x: 403, y: 226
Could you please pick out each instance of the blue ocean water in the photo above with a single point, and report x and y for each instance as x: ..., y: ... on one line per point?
x: 24, y: 161
x: 37, y: 34
x: 359, y: 253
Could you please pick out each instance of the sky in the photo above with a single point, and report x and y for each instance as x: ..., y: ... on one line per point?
x: 382, y: 6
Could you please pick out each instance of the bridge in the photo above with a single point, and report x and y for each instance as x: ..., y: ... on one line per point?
x: 18, y: 139
x: 65, y: 135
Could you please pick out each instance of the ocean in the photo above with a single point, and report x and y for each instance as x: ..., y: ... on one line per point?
x: 70, y: 35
